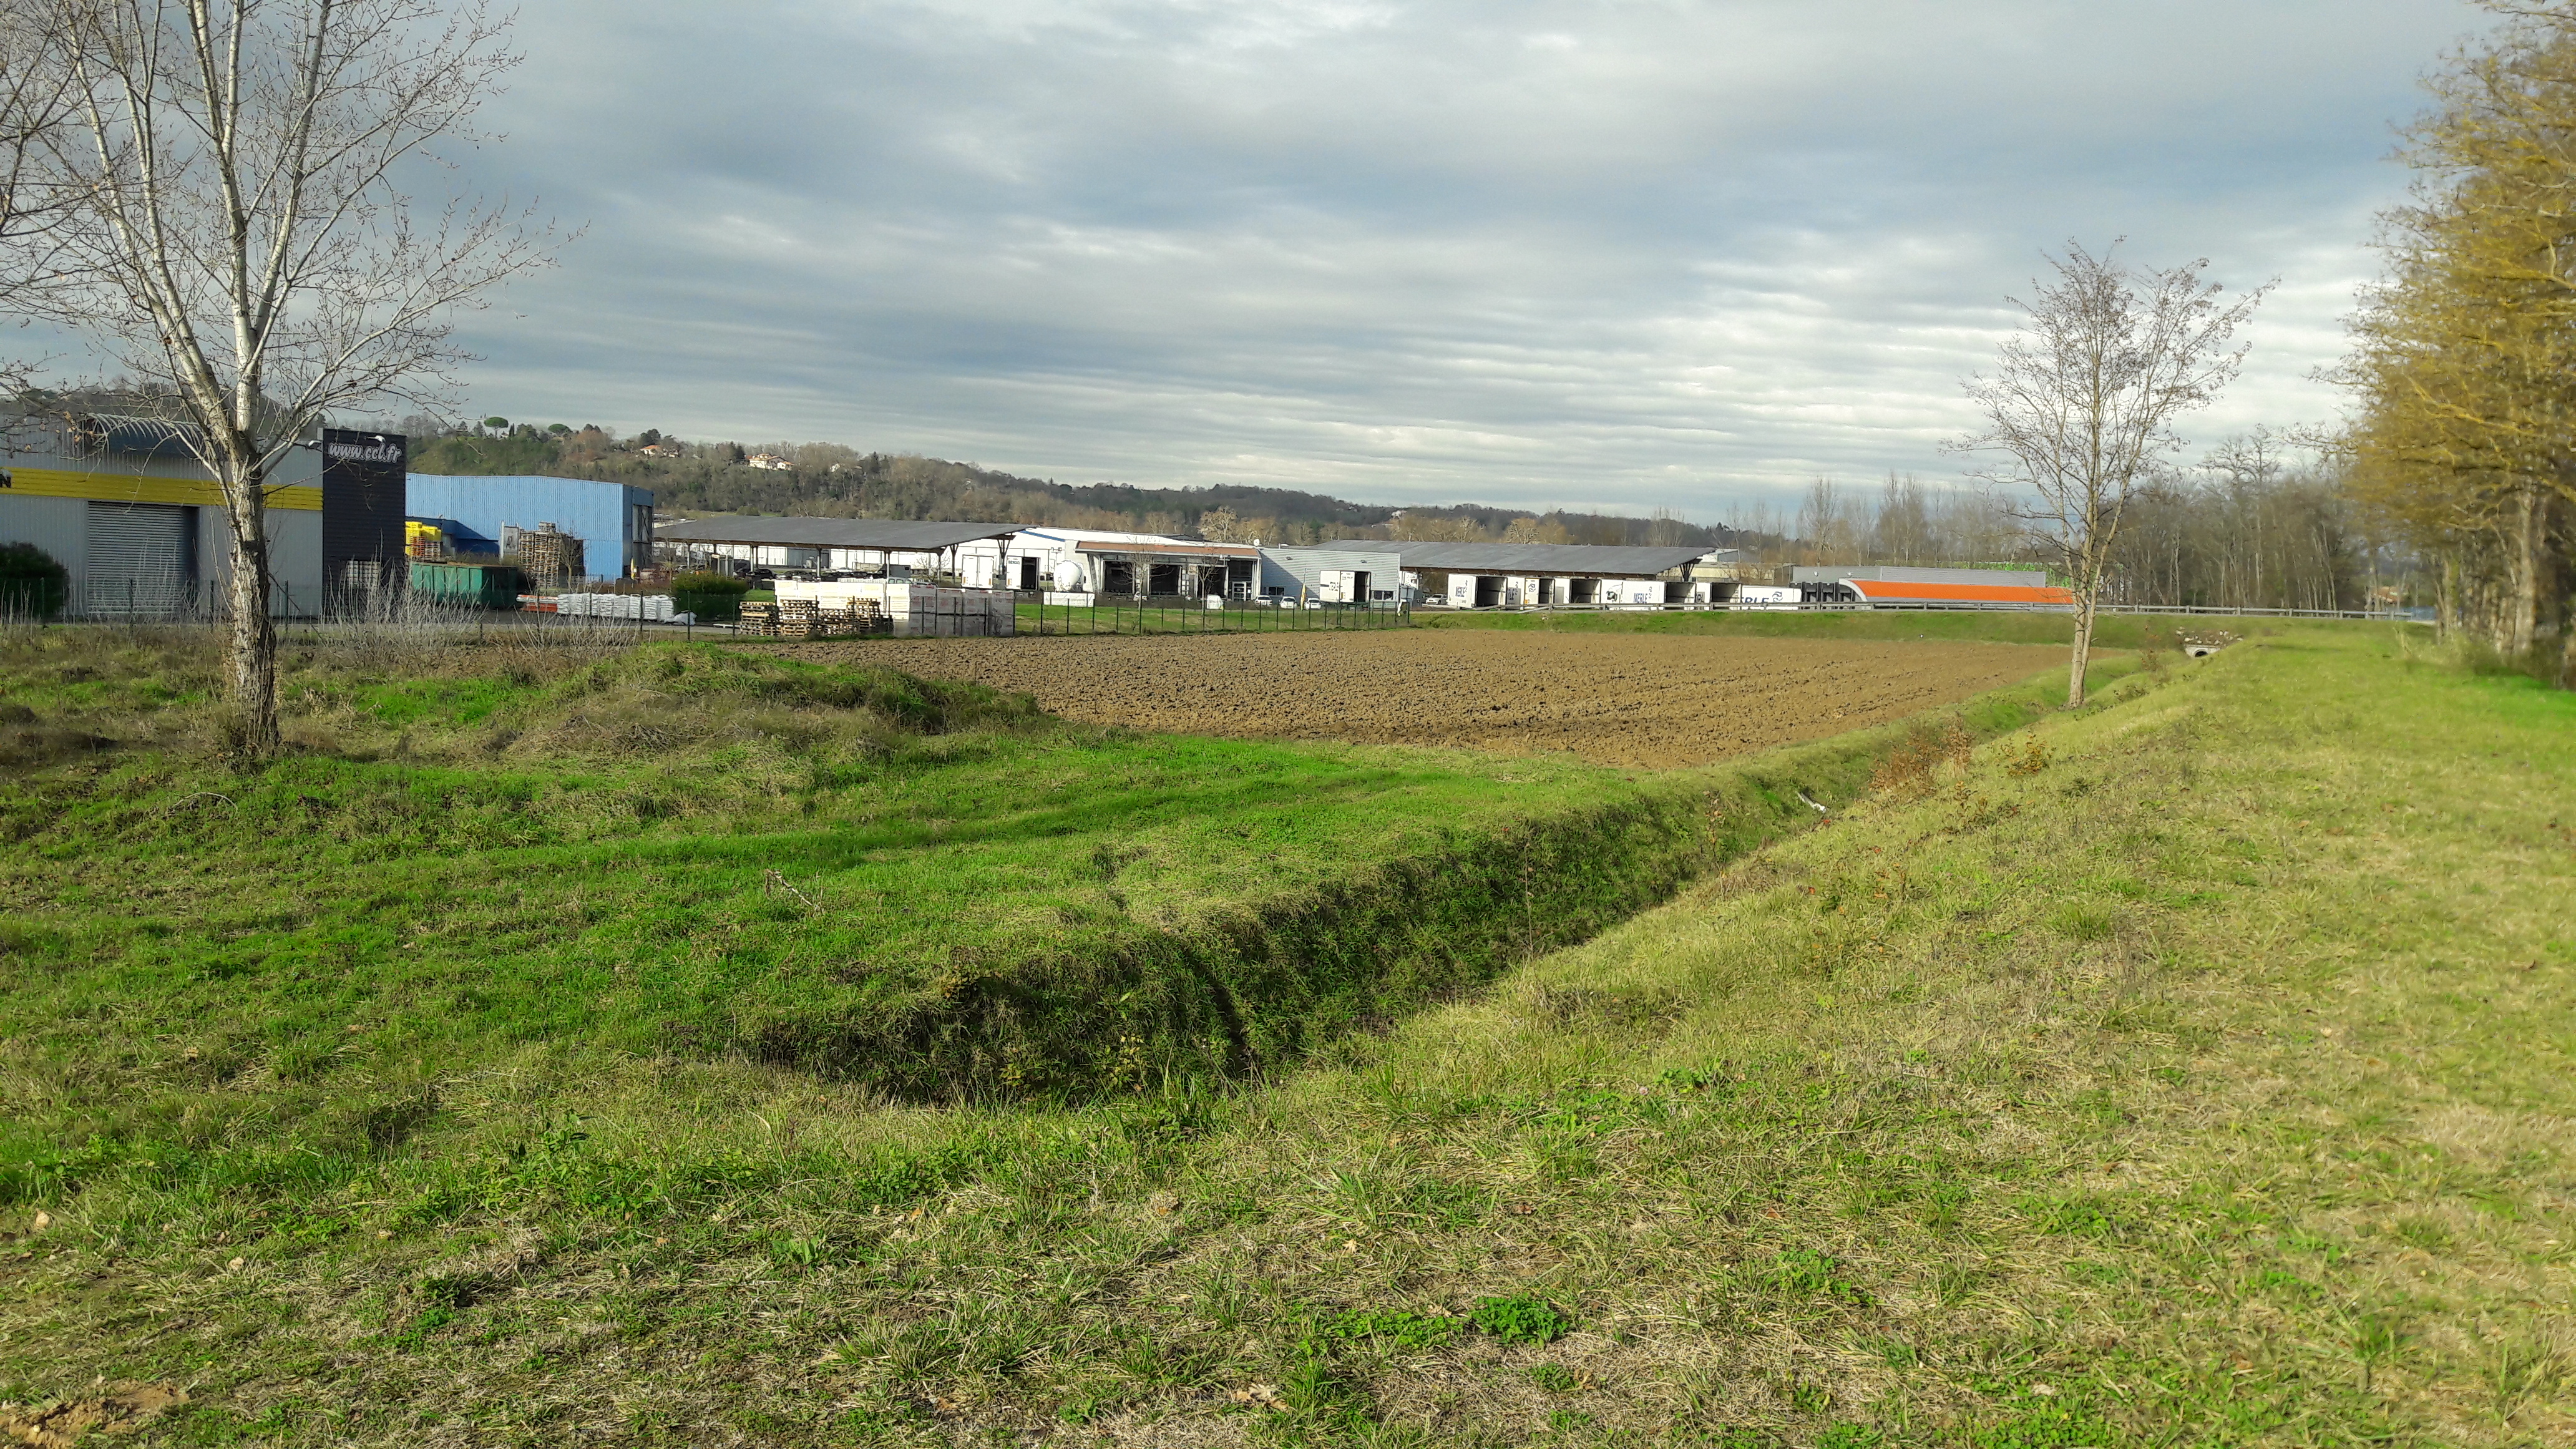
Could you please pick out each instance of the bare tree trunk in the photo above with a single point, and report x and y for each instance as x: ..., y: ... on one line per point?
x: 2519, y: 625
x: 2081, y: 658
x: 254, y: 633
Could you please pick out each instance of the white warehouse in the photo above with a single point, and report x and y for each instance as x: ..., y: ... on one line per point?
x: 1096, y: 561
x: 1336, y: 575
x: 1545, y: 575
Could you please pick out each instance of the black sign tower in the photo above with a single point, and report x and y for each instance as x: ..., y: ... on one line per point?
x: 363, y: 480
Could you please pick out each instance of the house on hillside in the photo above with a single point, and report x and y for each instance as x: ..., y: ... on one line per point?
x: 771, y: 462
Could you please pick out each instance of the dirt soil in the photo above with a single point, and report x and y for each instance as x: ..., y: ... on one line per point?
x: 61, y: 1423
x: 1617, y: 700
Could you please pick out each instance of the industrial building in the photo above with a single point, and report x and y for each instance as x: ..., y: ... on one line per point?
x: 607, y: 527
x: 1544, y: 575
x: 1890, y: 586
x: 1102, y: 562
x: 875, y: 547
x: 138, y: 522
x: 1334, y: 575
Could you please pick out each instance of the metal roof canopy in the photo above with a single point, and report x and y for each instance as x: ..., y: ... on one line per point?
x: 1526, y: 558
x: 875, y: 533
x: 1194, y: 550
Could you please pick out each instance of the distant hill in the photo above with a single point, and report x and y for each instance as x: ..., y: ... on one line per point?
x: 829, y: 481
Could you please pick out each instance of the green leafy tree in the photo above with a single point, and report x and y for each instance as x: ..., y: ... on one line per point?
x: 33, y: 585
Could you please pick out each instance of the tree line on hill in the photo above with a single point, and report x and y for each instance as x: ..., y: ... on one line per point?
x: 828, y: 480
x: 2247, y: 529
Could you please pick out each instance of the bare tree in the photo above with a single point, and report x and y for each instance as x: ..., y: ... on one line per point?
x: 2082, y: 403
x: 1823, y: 523
x: 1220, y: 525
x: 35, y: 108
x: 244, y: 233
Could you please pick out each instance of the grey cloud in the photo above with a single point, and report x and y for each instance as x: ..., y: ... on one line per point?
x: 1596, y: 254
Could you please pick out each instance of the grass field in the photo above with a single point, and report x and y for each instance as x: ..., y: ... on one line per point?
x: 2189, y: 1070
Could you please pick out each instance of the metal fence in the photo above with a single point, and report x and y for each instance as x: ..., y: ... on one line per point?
x: 955, y: 614
x: 173, y: 599
x: 394, y: 617
x: 1184, y: 615
x: 911, y: 611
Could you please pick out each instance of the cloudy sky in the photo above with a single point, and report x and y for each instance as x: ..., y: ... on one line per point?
x: 1620, y: 254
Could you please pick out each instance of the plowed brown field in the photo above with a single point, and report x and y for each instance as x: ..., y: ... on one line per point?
x: 1616, y: 700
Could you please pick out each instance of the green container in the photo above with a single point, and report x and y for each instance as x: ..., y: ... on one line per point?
x: 479, y: 586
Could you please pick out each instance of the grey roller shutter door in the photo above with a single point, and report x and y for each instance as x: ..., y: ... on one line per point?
x: 142, y: 560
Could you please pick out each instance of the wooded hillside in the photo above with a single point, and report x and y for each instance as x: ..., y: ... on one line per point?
x: 830, y: 481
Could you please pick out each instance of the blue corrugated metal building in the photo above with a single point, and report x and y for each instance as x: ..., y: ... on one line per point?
x: 613, y: 521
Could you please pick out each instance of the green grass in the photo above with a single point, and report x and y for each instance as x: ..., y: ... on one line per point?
x: 676, y: 853
x: 927, y: 889
x: 2111, y: 631
x: 2194, y: 1077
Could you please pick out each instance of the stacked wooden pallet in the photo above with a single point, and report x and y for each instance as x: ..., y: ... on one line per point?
x: 796, y: 619
x: 807, y: 619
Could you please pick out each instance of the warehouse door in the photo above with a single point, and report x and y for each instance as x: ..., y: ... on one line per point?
x: 1163, y: 580
x: 142, y: 561
x: 1028, y: 573
x: 1489, y: 591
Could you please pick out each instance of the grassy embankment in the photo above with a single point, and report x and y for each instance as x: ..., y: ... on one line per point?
x: 2110, y: 631
x: 2194, y: 1074
x: 930, y: 889
x: 255, y: 997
